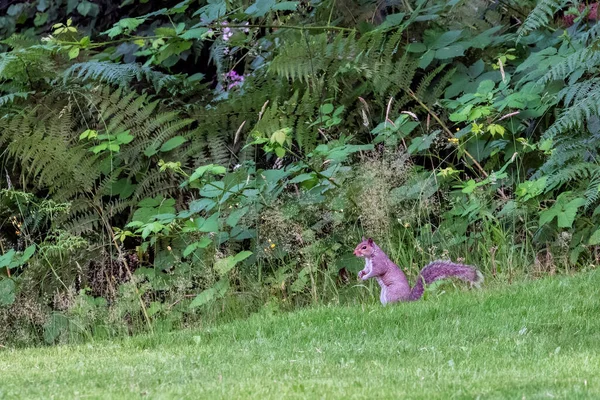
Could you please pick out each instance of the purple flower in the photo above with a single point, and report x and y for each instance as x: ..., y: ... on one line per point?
x: 234, y: 79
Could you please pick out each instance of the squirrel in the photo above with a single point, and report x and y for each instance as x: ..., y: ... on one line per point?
x: 393, y: 282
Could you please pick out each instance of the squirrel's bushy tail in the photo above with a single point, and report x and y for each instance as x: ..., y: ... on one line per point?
x: 441, y: 270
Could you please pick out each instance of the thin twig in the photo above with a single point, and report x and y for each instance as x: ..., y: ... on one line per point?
x: 237, y: 133
x: 262, y: 110
x: 387, y: 112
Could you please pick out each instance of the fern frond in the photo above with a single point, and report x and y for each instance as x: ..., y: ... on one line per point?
x: 303, y: 60
x: 592, y: 192
x: 583, y: 107
x: 84, y: 223
x: 423, y: 90
x: 119, y: 74
x: 585, y: 58
x: 590, y: 35
x: 577, y: 92
x: 12, y: 97
x: 540, y: 16
x: 45, y: 147
x: 219, y: 152
x: 570, y: 173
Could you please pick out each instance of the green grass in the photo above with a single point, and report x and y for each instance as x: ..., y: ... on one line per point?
x: 537, y: 339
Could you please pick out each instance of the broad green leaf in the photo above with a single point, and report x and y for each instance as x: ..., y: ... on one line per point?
x: 204, y: 297
x: 260, y: 8
x: 224, y: 265
x: 204, y: 242
x: 57, y: 324
x: 85, y: 134
x: 302, y: 177
x: 326, y: 108
x: 339, y: 111
x: 40, y: 18
x: 73, y: 53
x: 179, y: 28
x: 280, y: 152
x: 422, y: 143
x: 545, y: 145
x: 130, y: 23
x: 42, y: 5
x: 71, y: 4
x: 200, y: 205
x: 198, y: 76
x: 151, y: 201
x: 195, y: 33
x: 285, y: 6
x: 455, y: 50
x: 14, y: 9
x: 201, y: 244
x: 339, y: 154
x: 210, y: 224
x: 7, y: 258
x: 179, y: 7
x: 567, y: 216
x: 416, y: 48
x: 484, y: 39
x: 392, y: 20
x: 235, y: 216
x: 547, y: 216
x: 221, y: 287
x: 485, y: 86
x: 595, y: 238
x: 426, y: 59
x: 135, y: 224
x: 446, y: 39
x: 470, y: 186
x: 84, y: 8
x: 189, y: 249
x: 215, y: 9
x: 242, y: 256
x: 152, y: 227
x: 281, y: 135
x: 125, y: 23
x: 173, y: 143
x: 101, y: 147
x: 240, y: 233
x: 7, y: 292
x: 124, y: 137
x: 212, y: 168
x: 213, y: 189
x: 530, y: 189
x: 28, y: 253
x: 123, y: 187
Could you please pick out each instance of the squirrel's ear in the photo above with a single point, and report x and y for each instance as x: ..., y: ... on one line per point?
x: 363, y: 239
x: 370, y: 241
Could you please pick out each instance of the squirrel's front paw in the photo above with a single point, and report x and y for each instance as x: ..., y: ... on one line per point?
x: 361, y: 273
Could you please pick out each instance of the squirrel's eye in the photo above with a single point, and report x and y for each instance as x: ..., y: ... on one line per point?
x: 364, y: 247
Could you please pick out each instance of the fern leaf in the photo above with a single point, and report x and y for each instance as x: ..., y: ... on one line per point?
x: 540, y: 16
x: 119, y: 74
x: 582, y: 59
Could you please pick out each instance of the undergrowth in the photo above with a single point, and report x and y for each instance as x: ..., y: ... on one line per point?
x: 165, y: 167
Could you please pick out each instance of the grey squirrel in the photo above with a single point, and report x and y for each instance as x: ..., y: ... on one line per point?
x: 393, y: 282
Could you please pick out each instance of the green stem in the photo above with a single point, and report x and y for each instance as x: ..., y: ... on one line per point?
x: 214, y: 26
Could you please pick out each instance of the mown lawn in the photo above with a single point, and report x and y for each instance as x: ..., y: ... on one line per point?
x: 532, y: 340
